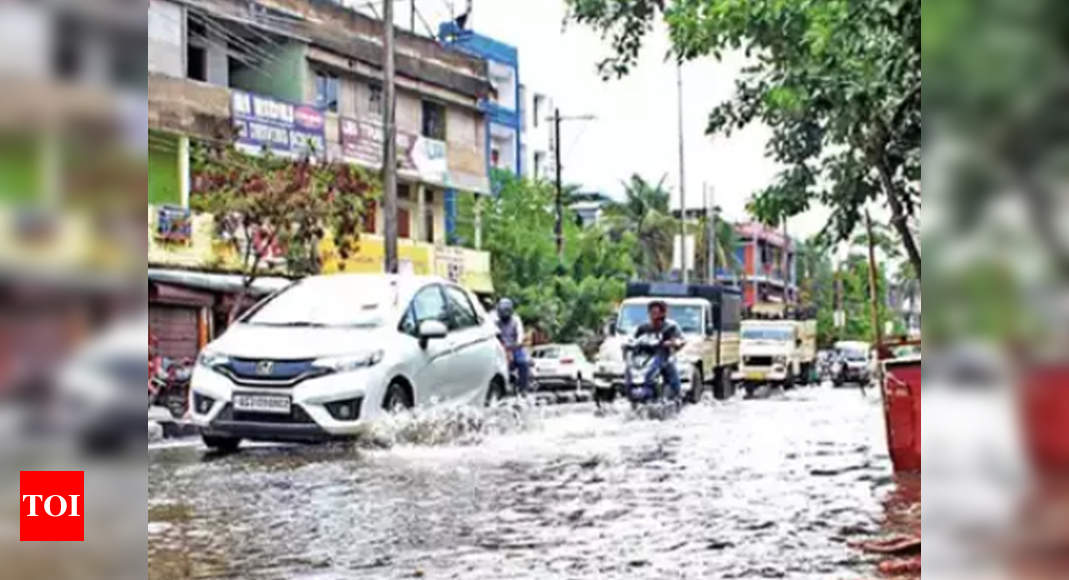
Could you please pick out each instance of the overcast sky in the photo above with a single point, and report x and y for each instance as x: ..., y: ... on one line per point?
x: 636, y: 130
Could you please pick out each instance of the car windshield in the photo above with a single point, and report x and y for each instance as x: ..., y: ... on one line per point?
x: 766, y: 333
x: 852, y: 354
x: 323, y: 302
x: 688, y: 317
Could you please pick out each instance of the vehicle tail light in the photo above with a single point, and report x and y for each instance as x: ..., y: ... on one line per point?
x: 567, y: 361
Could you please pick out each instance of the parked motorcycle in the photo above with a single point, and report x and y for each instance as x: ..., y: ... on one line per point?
x: 169, y: 385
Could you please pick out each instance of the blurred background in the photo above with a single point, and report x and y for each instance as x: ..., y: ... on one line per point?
x: 72, y: 297
x: 995, y: 230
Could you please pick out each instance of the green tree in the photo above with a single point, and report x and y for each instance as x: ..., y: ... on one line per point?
x: 265, y: 205
x: 644, y: 212
x: 838, y: 82
x: 726, y: 241
x: 568, y: 301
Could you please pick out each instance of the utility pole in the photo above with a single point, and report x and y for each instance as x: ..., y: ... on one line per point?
x: 389, y: 142
x: 558, y: 228
x: 785, y: 265
x: 714, y: 237
x: 874, y: 295
x: 682, y: 178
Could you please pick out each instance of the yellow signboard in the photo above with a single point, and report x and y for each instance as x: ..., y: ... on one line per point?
x: 469, y: 268
x: 370, y: 254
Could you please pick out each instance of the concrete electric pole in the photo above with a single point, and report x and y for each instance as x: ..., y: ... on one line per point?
x: 389, y: 142
x: 558, y: 228
x: 682, y: 179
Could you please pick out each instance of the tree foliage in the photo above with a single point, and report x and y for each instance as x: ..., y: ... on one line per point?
x: 645, y: 213
x: 838, y: 82
x: 267, y: 207
x: 568, y: 301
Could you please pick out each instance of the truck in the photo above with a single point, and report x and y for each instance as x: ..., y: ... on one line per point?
x: 778, y: 347
x: 709, y: 317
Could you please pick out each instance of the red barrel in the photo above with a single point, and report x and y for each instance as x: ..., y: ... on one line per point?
x: 902, y: 412
x: 1045, y: 406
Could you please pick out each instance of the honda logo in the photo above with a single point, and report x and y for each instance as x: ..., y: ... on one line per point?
x: 265, y: 367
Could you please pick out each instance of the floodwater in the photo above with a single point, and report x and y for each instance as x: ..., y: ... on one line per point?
x: 777, y: 487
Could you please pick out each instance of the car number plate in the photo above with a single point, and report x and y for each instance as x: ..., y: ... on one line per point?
x: 755, y: 375
x: 262, y: 403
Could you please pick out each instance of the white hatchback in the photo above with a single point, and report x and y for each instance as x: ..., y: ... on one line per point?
x: 316, y: 359
x: 560, y: 365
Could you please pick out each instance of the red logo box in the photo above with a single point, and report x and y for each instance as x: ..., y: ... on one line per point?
x: 51, y: 506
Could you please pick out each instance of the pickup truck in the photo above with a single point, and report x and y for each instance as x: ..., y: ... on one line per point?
x: 778, y: 352
x: 709, y: 318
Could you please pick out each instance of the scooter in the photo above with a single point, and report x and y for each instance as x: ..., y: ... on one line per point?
x: 639, y: 356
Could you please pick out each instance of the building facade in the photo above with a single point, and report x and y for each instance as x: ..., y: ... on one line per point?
x: 305, y: 77
x: 767, y: 268
x: 538, y: 145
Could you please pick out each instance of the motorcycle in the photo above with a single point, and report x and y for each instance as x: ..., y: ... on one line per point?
x: 169, y: 385
x: 639, y: 356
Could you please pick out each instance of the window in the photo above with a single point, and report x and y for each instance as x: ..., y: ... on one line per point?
x: 327, y: 91
x: 428, y: 216
x: 369, y: 216
x: 403, y: 223
x: 434, y: 120
x: 537, y: 107
x: 461, y: 313
x: 196, y: 63
x: 196, y: 53
x: 374, y: 99
x: 428, y: 304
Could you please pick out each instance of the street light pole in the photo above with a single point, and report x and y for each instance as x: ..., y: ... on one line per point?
x: 558, y: 229
x: 389, y: 142
x: 682, y: 179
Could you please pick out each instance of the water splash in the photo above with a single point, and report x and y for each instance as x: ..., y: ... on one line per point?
x: 460, y: 425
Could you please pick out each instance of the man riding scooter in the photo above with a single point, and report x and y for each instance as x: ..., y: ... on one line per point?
x: 668, y: 338
x: 510, y: 333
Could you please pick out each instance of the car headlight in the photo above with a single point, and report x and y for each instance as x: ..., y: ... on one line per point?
x: 349, y: 362
x: 209, y: 359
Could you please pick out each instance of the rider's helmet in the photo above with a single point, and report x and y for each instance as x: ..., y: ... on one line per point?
x: 504, y: 308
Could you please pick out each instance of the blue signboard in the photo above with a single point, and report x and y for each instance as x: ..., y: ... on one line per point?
x: 286, y: 129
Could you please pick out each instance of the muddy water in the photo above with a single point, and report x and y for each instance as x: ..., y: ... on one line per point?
x: 771, y: 488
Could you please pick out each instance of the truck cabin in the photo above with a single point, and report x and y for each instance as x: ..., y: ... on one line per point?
x: 697, y: 308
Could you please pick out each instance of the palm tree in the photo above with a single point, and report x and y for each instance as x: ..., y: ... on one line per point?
x: 644, y: 212
x: 726, y: 241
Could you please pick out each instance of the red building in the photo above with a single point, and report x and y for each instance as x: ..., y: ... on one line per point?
x: 767, y: 265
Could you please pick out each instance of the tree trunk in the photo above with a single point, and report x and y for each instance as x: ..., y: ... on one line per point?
x: 898, y: 216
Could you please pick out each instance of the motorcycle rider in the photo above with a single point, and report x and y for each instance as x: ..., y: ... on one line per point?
x: 670, y: 340
x: 510, y: 333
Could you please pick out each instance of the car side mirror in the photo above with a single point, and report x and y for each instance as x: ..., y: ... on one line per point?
x: 431, y: 329
x: 710, y: 330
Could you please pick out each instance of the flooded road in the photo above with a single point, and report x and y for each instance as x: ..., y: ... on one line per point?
x: 765, y: 488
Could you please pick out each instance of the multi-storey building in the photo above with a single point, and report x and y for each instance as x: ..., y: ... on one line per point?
x: 291, y: 72
x: 766, y: 261
x: 538, y: 136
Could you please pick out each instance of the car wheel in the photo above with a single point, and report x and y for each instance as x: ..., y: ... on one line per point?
x: 396, y: 399
x: 697, y: 385
x: 217, y: 443
x: 496, y: 391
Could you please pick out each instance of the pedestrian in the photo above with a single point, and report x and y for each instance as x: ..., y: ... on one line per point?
x: 510, y: 333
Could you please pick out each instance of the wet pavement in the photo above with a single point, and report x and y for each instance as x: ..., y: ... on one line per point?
x: 779, y: 487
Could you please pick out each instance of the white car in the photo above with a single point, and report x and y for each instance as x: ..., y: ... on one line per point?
x: 560, y: 365
x: 328, y: 352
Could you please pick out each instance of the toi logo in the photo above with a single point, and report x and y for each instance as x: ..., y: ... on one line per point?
x: 51, y: 506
